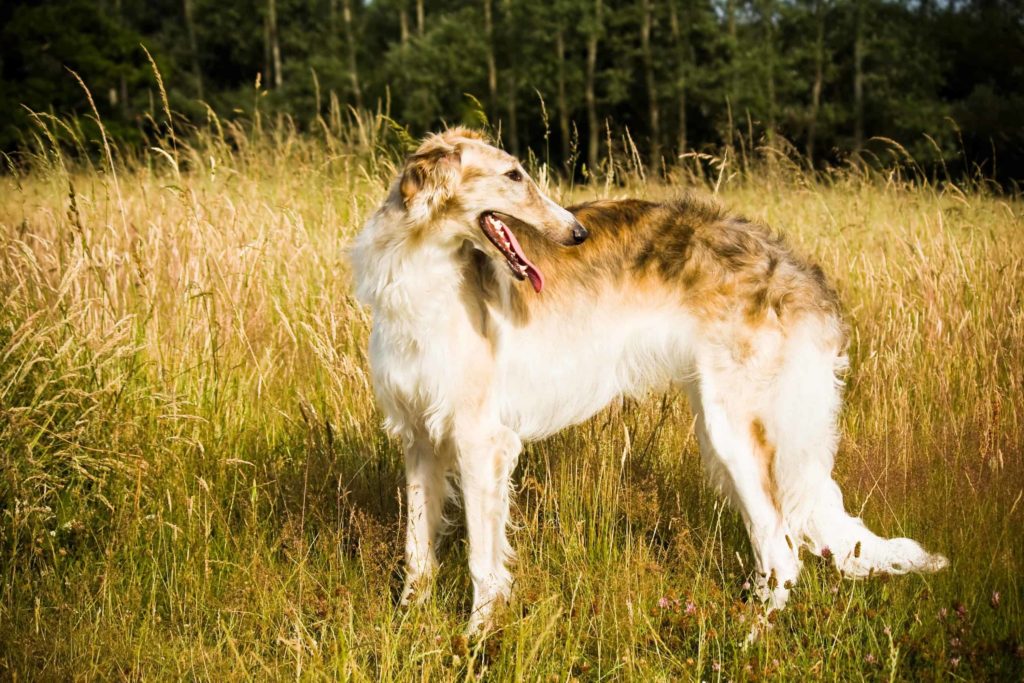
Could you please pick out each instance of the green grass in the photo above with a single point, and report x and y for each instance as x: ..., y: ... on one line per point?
x: 194, y: 483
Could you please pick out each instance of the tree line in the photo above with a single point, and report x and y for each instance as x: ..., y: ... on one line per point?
x: 569, y: 80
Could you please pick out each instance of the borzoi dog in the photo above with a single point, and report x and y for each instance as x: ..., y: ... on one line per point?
x: 499, y: 317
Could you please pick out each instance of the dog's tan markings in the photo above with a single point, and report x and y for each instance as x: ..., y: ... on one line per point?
x: 470, y: 173
x: 436, y: 165
x: 743, y: 350
x: 430, y: 168
x: 481, y: 282
x: 412, y: 179
x: 471, y: 294
x: 765, y: 453
x: 718, y: 263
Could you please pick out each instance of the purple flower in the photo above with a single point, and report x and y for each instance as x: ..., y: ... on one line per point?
x: 663, y: 602
x: 690, y: 607
x: 954, y: 662
x: 715, y: 666
x: 869, y: 658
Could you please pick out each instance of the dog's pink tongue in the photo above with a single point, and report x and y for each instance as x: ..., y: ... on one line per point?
x: 536, y: 278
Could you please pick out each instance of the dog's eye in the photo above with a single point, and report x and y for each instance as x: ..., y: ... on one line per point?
x: 514, y: 175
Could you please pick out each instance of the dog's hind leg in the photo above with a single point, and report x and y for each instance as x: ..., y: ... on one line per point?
x: 737, y: 460
x: 802, y: 424
x: 425, y: 489
x: 486, y: 457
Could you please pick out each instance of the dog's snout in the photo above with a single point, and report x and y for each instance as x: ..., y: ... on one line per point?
x: 579, y: 234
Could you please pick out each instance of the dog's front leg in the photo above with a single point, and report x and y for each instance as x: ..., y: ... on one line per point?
x: 486, y: 458
x: 425, y: 496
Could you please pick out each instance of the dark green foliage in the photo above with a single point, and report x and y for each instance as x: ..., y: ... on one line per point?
x: 945, y: 80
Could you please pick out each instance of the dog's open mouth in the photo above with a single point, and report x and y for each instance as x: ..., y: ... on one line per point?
x: 501, y: 236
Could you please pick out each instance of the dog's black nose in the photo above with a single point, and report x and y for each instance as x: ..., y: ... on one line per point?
x: 579, y: 233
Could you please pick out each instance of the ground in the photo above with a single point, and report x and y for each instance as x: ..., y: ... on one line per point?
x: 195, y: 483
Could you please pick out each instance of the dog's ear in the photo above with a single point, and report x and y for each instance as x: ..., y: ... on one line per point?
x: 431, y: 176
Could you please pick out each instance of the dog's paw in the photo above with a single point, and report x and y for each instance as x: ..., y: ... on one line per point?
x: 416, y: 591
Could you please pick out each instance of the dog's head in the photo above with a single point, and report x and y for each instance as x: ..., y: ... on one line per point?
x: 456, y: 186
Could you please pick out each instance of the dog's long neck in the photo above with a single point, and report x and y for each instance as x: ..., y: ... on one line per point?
x: 408, y: 280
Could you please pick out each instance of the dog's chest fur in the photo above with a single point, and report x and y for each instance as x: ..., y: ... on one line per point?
x: 423, y: 346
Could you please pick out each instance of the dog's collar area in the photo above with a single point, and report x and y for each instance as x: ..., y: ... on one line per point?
x: 505, y: 240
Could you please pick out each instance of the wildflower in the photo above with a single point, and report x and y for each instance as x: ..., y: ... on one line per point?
x: 943, y: 613
x: 869, y: 658
x: 954, y: 662
x: 663, y: 602
x: 954, y: 642
x: 715, y: 666
x: 961, y: 609
x: 690, y: 607
x: 887, y: 631
x: 746, y: 585
x: 826, y: 553
x: 994, y: 601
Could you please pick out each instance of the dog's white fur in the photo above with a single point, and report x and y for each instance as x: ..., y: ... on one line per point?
x: 462, y: 398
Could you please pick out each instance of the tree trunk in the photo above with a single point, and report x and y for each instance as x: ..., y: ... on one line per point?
x: 653, y: 113
x: 419, y: 17
x: 768, y: 17
x: 681, y: 43
x: 403, y: 23
x: 593, y: 132
x: 275, y: 45
x: 513, y: 125
x: 350, y: 44
x: 492, y: 67
x: 563, y: 106
x: 268, y: 62
x: 731, y: 90
x: 122, y: 79
x: 193, y: 47
x: 124, y: 95
x: 819, y: 78
x: 858, y: 77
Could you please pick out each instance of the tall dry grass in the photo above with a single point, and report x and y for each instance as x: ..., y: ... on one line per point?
x: 194, y: 483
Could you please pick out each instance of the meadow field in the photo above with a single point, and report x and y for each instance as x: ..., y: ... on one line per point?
x: 195, y: 484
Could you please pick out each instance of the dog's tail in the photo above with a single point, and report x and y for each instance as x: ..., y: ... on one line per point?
x: 806, y: 409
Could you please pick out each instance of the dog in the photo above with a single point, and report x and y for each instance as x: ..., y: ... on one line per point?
x: 500, y: 317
